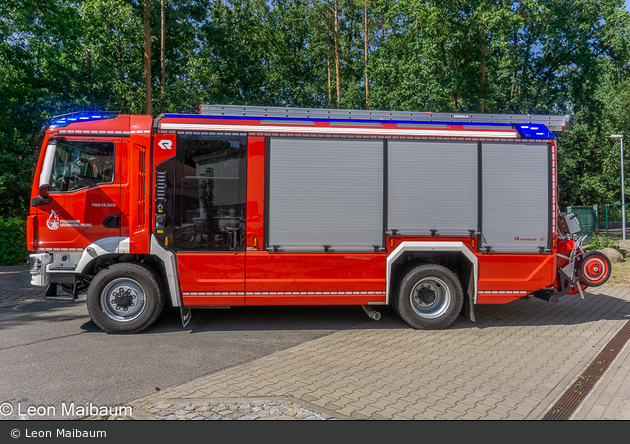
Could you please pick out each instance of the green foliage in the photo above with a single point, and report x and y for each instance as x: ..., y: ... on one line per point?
x: 493, y: 56
x: 601, y: 241
x: 12, y: 241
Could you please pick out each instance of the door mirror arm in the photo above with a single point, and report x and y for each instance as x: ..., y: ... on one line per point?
x: 43, y: 190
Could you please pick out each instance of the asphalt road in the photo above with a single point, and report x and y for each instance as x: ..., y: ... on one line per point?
x: 51, y: 353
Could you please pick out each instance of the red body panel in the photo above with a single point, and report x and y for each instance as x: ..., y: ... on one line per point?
x: 163, y: 147
x: 394, y: 242
x: 138, y: 193
x: 506, y: 277
x: 255, y: 192
x: 314, y: 279
x: 212, y: 279
x: 75, y: 220
x: 31, y: 233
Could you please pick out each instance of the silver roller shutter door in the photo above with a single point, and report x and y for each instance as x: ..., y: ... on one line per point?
x: 515, y: 186
x: 325, y: 192
x: 432, y: 186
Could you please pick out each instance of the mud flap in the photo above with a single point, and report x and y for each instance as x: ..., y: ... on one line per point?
x: 469, y: 296
x: 469, y: 307
x: 186, y: 315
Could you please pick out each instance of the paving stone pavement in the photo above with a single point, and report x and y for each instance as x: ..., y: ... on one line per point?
x: 230, y: 409
x: 15, y: 286
x: 512, y: 364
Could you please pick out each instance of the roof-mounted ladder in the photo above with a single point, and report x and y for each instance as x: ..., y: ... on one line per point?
x: 552, y: 122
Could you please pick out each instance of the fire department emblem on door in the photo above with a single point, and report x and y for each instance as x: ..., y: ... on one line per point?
x: 53, y: 221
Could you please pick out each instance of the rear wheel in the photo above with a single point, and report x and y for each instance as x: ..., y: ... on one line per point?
x: 125, y: 298
x: 429, y: 297
x: 594, y: 269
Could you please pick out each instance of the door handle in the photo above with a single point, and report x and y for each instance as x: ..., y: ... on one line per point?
x: 112, y: 221
x: 233, y: 236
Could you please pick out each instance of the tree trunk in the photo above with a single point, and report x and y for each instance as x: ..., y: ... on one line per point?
x: 482, y: 80
x: 365, y: 50
x: 337, y: 62
x: 147, y: 57
x: 89, y: 68
x: 162, y: 55
x: 328, y: 66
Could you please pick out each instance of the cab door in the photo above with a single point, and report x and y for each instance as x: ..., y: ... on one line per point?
x: 84, y: 191
x: 209, y: 219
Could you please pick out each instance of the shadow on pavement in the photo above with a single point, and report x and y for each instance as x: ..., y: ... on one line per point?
x: 570, y: 310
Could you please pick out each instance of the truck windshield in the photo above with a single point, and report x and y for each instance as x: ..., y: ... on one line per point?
x: 80, y: 164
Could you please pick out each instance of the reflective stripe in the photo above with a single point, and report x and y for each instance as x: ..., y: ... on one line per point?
x: 281, y: 293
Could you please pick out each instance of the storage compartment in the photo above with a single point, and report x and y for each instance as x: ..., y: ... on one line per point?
x: 325, y: 195
x: 516, y: 197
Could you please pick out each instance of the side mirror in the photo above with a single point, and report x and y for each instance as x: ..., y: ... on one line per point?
x: 39, y: 200
x: 43, y: 197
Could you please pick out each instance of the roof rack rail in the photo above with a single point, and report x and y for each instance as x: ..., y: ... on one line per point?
x: 552, y: 122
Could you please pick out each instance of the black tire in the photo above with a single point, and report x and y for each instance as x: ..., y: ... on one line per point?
x: 430, y: 297
x: 125, y: 298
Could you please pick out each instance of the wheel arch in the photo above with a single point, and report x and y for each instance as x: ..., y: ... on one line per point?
x: 449, y: 254
x: 107, y: 251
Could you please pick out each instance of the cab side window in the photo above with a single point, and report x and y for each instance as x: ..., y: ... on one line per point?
x: 82, y: 164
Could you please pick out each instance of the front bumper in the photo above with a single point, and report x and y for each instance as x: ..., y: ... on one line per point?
x: 50, y: 268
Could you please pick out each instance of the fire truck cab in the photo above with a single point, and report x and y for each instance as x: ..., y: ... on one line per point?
x: 431, y: 213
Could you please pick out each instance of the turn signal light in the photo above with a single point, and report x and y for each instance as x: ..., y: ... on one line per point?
x: 255, y: 243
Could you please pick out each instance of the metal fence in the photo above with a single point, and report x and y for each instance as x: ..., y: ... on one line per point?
x: 588, y: 219
x: 613, y: 220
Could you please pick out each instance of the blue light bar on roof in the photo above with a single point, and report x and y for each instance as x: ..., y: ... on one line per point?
x: 80, y: 117
x: 534, y: 131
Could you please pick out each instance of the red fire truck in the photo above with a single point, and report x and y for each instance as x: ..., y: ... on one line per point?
x: 430, y: 213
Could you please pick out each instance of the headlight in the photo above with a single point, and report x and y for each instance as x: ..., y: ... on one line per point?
x: 34, y: 265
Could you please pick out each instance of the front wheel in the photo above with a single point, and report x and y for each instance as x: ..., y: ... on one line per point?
x: 429, y: 297
x: 125, y: 298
